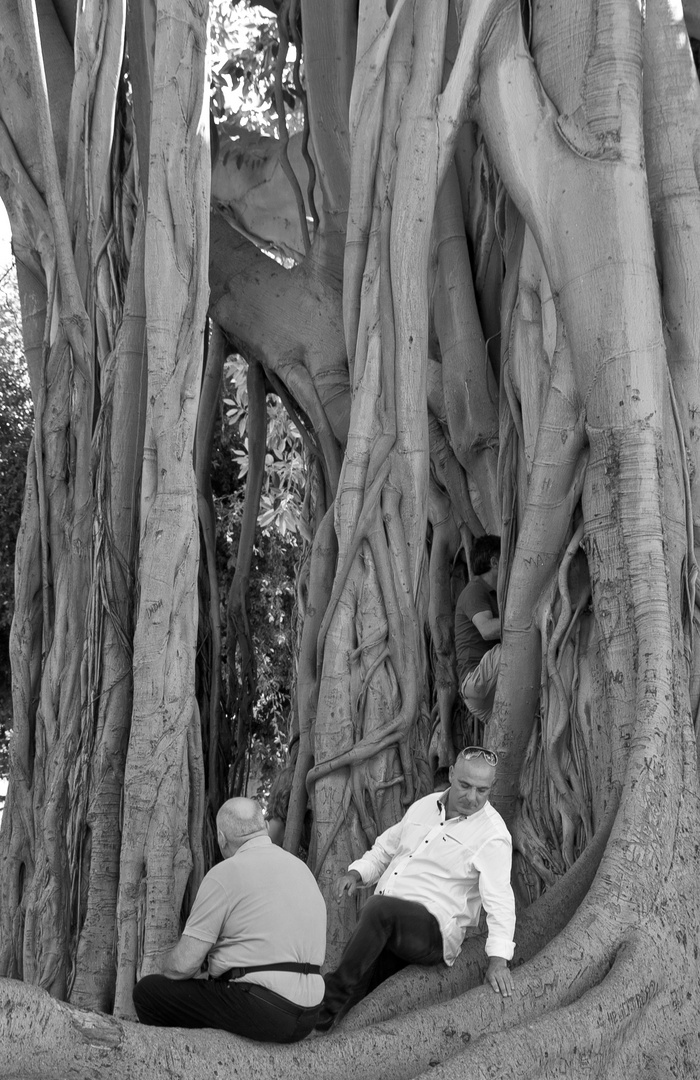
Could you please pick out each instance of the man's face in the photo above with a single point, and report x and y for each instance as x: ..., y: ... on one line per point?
x: 470, y: 786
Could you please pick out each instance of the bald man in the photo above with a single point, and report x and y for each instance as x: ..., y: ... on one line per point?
x: 448, y: 856
x: 259, y: 920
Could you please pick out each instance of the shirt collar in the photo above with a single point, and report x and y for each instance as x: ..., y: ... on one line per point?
x: 442, y: 809
x: 442, y: 805
x: 255, y: 841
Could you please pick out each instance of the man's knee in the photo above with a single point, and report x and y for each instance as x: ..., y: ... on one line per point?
x: 376, y: 911
x: 145, y: 993
x: 388, y: 916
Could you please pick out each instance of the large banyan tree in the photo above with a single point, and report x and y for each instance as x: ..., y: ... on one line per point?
x: 488, y: 320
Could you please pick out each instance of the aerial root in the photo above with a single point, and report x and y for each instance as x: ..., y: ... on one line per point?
x: 580, y: 1040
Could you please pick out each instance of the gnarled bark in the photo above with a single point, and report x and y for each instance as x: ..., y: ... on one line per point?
x: 517, y: 206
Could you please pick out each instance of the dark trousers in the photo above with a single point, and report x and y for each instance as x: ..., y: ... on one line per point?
x: 241, y: 1007
x: 391, y: 933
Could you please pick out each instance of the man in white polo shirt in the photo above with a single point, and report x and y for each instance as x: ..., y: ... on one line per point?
x: 260, y: 920
x: 448, y: 856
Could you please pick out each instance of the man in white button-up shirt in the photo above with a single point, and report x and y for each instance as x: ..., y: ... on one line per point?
x: 448, y: 856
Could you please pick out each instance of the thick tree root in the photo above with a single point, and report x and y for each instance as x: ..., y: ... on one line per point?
x: 41, y: 1037
x: 602, y: 1036
x: 578, y: 1005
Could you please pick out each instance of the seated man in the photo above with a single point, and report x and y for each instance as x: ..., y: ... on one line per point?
x: 260, y: 920
x: 478, y: 630
x: 448, y: 855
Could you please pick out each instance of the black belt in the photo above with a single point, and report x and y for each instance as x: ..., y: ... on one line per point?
x: 239, y: 972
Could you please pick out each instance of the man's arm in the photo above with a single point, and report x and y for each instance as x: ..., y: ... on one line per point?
x: 494, y: 864
x: 373, y: 863
x: 185, y: 958
x: 488, y: 625
x: 202, y: 931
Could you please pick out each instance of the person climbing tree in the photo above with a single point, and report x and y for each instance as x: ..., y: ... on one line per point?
x: 478, y: 629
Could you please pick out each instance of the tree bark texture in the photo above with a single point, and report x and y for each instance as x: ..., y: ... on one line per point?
x: 164, y: 770
x: 490, y: 326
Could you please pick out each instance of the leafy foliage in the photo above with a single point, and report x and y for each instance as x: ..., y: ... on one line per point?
x: 245, y: 46
x: 283, y: 490
x: 272, y: 614
x: 276, y: 554
x: 16, y: 419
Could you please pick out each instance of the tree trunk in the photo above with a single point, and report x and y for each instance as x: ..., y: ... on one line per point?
x: 164, y: 763
x: 512, y: 348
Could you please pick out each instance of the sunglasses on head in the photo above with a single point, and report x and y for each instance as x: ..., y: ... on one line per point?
x: 470, y: 752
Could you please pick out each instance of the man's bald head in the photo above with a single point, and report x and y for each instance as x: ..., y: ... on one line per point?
x: 237, y: 821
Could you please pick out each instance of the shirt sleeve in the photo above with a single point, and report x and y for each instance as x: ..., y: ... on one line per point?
x: 476, y: 598
x: 493, y: 862
x: 209, y: 912
x: 374, y: 862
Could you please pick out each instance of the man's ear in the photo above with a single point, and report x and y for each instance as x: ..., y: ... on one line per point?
x: 450, y: 773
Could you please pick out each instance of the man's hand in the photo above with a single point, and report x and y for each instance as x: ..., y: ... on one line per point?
x: 347, y: 884
x: 499, y: 976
